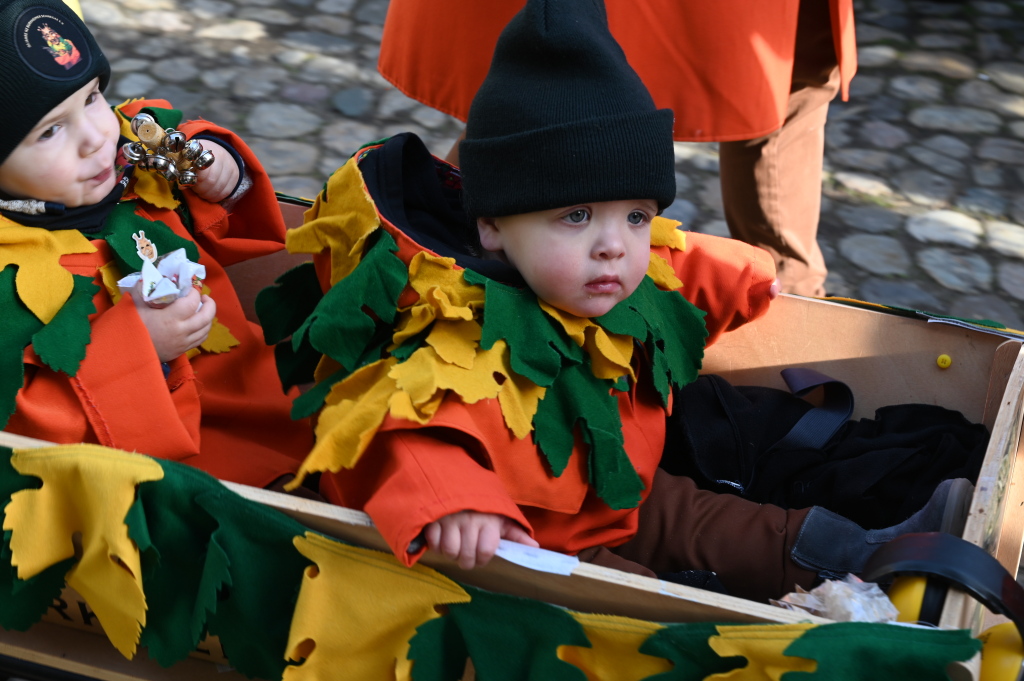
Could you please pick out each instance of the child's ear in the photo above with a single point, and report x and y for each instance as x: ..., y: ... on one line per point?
x: 490, y: 236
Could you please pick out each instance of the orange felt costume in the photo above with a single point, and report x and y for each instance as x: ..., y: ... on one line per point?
x: 223, y: 412
x: 463, y: 455
x: 724, y: 67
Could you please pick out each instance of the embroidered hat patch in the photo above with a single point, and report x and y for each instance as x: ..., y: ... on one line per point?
x: 50, y: 44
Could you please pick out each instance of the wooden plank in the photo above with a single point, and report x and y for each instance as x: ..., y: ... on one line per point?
x: 590, y: 588
x: 984, y: 524
x: 84, y: 653
x: 884, y: 359
x: 1002, y: 367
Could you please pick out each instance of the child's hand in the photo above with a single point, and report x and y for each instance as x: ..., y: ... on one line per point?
x: 472, y: 538
x: 774, y: 289
x: 178, y: 327
x: 218, y: 181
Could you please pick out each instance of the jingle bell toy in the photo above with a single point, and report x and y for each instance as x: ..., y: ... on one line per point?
x: 166, y: 152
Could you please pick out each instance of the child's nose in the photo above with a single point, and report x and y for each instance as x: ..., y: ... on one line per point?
x: 93, y: 138
x: 610, y: 244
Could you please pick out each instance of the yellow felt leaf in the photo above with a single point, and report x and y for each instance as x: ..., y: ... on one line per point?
x: 455, y: 342
x: 219, y: 340
x: 443, y: 287
x: 357, y: 610
x: 518, y: 399
x: 353, y: 411
x: 763, y: 646
x: 110, y: 274
x: 324, y: 368
x: 43, y: 285
x: 575, y: 327
x: 610, y: 354
x: 614, y: 654
x: 424, y: 374
x: 410, y: 322
x: 402, y: 407
x: 341, y: 219
x: 154, y: 189
x: 662, y: 273
x: 87, y: 489
x: 665, y: 232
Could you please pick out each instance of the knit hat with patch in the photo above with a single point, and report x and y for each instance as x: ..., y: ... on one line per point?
x: 46, y: 54
x: 563, y: 119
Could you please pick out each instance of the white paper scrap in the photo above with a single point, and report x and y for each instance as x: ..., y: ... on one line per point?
x: 537, y: 559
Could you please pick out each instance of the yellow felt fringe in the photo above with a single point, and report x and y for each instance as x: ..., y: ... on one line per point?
x: 340, y: 222
x: 763, y: 647
x: 614, y: 652
x: 359, y: 608
x: 87, y: 490
x: 42, y: 284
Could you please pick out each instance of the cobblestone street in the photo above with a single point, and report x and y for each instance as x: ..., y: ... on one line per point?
x: 924, y: 165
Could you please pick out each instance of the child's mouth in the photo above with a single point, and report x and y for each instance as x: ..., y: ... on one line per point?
x: 608, y: 284
x: 103, y: 176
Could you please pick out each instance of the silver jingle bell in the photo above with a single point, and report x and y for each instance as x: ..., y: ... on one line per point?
x: 158, y: 163
x: 205, y: 160
x: 186, y: 178
x: 192, y: 150
x: 139, y: 119
x: 170, y: 173
x: 133, y: 151
x: 174, y: 141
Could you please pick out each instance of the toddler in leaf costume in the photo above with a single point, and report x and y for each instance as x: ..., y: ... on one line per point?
x: 508, y: 376
x: 80, y: 362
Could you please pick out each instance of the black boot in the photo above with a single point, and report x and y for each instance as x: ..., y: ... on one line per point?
x: 833, y: 545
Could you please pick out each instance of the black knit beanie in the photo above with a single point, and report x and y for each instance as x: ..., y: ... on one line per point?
x: 563, y: 119
x: 46, y: 54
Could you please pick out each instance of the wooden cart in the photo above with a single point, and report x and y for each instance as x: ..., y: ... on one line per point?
x: 885, y: 358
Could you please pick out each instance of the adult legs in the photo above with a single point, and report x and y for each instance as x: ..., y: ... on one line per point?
x: 771, y: 186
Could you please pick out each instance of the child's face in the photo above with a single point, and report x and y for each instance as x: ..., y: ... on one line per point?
x: 69, y: 156
x: 581, y: 259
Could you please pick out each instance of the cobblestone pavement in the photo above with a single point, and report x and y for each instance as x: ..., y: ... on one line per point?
x: 924, y: 167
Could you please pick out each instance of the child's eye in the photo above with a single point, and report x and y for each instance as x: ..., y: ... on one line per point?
x: 91, y: 98
x: 577, y: 216
x: 49, y: 132
x: 637, y: 217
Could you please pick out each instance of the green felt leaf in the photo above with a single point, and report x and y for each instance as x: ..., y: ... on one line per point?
x: 123, y: 222
x: 282, y: 307
x: 438, y: 651
x: 513, y: 639
x: 344, y: 325
x: 686, y: 646
x: 611, y: 472
x: 307, y: 403
x: 411, y: 345
x: 856, y: 650
x: 537, y: 344
x: 24, y: 602
x: 173, y: 536
x: 254, y: 613
x: 61, y: 343
x: 165, y: 118
x: 16, y: 330
x: 674, y: 335
x: 581, y: 400
x: 295, y: 367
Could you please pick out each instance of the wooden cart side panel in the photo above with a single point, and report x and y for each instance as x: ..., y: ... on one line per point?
x: 884, y: 359
x: 986, y: 526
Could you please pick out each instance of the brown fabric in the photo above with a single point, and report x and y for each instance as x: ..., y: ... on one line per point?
x: 771, y: 186
x: 746, y: 544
